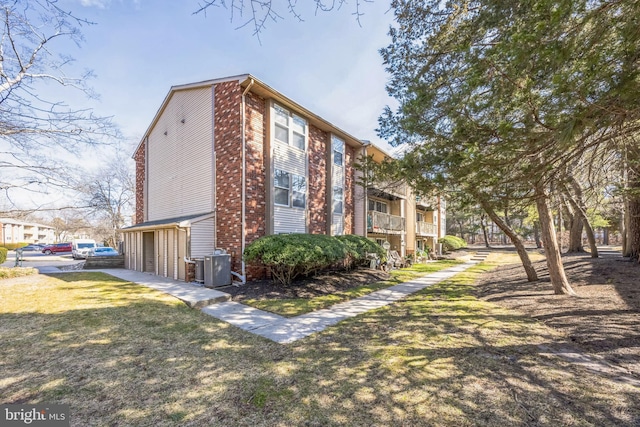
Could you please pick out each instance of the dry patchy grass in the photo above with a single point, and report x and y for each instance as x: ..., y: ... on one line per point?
x: 10, y: 272
x: 121, y: 354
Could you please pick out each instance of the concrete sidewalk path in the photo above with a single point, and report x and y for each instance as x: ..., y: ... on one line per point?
x: 193, y: 295
x: 286, y: 330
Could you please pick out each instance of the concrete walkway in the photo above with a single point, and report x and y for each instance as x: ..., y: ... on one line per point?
x: 193, y: 295
x: 289, y: 329
x: 275, y: 327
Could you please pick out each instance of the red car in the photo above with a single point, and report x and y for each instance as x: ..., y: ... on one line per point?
x: 57, y: 247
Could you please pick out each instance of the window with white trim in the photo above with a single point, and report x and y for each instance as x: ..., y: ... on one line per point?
x: 338, y: 150
x: 289, y: 128
x: 338, y: 199
x: 378, y: 206
x: 289, y: 189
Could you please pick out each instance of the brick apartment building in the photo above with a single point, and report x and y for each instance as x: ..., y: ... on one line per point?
x: 227, y: 161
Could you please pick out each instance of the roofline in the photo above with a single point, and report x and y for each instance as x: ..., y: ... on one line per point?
x: 260, y: 88
x: 170, y: 223
x: 177, y: 88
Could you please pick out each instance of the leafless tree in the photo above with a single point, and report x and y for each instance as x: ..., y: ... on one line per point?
x: 37, y: 132
x: 256, y: 14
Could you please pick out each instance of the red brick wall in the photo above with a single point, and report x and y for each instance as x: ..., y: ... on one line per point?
x: 256, y: 180
x: 349, y: 190
x: 228, y: 143
x: 317, y: 203
x: 139, y: 158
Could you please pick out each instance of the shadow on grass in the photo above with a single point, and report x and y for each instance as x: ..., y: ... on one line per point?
x: 438, y: 358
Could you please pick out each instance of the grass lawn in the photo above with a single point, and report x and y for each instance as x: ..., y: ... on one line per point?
x: 121, y: 354
x: 9, y: 272
x: 296, y: 306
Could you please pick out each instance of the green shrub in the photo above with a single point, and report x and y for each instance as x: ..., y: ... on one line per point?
x: 359, y: 247
x: 3, y: 255
x: 452, y: 243
x: 288, y: 256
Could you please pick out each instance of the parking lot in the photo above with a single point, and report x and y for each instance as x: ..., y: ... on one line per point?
x: 37, y: 259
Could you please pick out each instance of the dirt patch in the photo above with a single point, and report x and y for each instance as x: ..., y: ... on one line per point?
x: 603, y: 320
x: 323, y: 284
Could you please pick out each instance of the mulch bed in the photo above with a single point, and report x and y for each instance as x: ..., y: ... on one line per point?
x: 323, y: 284
x: 603, y: 320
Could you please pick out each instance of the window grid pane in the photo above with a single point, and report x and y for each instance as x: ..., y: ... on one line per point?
x: 281, y: 116
x: 281, y: 179
x: 282, y: 134
x: 281, y: 197
x: 298, y: 140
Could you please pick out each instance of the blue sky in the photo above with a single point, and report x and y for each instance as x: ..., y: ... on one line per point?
x: 328, y: 63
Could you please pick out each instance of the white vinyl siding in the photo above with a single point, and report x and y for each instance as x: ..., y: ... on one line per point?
x: 289, y: 156
x: 289, y: 159
x: 180, y: 162
x: 337, y: 192
x: 359, y: 206
x: 287, y: 220
x: 202, y: 238
x: 337, y: 225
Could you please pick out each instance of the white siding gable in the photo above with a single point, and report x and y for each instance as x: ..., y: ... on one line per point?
x: 180, y: 157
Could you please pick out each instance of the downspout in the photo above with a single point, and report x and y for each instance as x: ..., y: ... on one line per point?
x: 243, y: 275
x: 366, y: 191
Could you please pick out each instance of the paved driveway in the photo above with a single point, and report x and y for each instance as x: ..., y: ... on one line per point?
x: 36, y: 259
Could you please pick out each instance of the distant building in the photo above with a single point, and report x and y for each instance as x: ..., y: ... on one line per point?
x: 15, y: 231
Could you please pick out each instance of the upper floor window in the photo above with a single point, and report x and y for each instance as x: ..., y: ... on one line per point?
x: 378, y: 206
x: 289, y: 128
x: 289, y: 189
x: 338, y: 150
x: 419, y: 217
x: 338, y: 200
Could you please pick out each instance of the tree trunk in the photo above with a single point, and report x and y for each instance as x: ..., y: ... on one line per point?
x: 581, y: 211
x: 536, y: 234
x: 483, y: 224
x: 605, y: 236
x: 557, y: 275
x: 575, y: 226
x: 532, y: 276
x: 634, y: 229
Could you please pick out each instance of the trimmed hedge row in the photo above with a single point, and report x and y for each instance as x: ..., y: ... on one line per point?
x: 3, y: 255
x: 288, y: 256
x: 452, y: 243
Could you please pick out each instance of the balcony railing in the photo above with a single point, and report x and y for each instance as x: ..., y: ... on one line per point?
x: 426, y: 229
x: 378, y: 222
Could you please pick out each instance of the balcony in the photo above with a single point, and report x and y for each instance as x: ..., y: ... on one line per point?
x: 430, y: 203
x: 378, y: 222
x: 388, y: 190
x: 426, y: 229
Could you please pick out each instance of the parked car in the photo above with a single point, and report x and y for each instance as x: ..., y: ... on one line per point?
x: 56, y: 248
x: 103, y: 251
x: 31, y: 248
x: 80, y: 248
